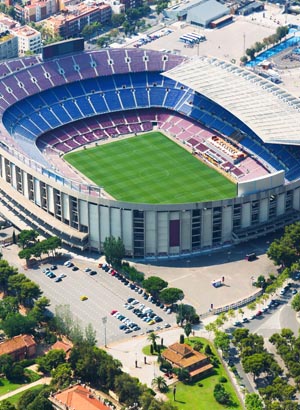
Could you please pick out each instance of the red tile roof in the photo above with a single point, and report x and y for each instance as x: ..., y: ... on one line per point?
x: 80, y: 398
x: 16, y: 343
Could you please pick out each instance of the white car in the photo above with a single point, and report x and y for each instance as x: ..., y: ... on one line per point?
x: 67, y: 263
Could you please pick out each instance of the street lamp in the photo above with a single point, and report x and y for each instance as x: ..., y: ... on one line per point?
x: 104, y: 321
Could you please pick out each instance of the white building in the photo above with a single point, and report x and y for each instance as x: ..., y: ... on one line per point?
x: 29, y: 40
x: 8, y: 46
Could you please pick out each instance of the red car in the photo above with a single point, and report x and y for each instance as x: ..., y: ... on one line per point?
x: 259, y: 313
x: 113, y: 312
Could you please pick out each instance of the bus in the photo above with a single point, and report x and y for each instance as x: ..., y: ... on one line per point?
x: 186, y: 39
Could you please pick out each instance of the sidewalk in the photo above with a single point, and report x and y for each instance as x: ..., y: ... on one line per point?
x: 43, y: 380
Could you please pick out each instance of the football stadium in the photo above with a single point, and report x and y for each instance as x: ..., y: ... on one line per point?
x: 176, y: 156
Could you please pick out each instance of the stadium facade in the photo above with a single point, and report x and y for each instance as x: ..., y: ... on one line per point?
x: 133, y: 91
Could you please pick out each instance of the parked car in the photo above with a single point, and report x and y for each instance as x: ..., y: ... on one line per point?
x: 87, y: 270
x: 83, y: 298
x: 75, y: 268
x: 53, y: 267
x: 259, y: 313
x: 92, y: 272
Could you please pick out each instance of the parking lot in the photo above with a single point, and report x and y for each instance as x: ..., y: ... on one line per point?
x: 94, y: 297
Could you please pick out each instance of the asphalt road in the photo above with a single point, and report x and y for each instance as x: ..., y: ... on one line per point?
x: 104, y: 293
x: 266, y: 325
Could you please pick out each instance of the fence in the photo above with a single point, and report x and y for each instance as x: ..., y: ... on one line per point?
x: 235, y: 305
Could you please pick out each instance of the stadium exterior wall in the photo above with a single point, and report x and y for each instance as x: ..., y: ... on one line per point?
x: 147, y: 230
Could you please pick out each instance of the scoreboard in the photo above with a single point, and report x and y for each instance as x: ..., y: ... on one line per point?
x: 74, y: 45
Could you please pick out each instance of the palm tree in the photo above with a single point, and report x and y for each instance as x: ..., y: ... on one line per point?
x: 160, y: 383
x: 152, y: 338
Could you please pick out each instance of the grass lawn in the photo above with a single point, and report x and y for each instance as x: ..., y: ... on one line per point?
x: 192, y: 396
x: 147, y: 352
x: 6, y: 386
x: 153, y: 169
x: 14, y: 399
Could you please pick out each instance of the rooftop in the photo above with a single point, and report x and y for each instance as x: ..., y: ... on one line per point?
x: 78, y: 398
x: 16, y: 343
x: 184, y: 356
x: 25, y: 31
x: 270, y: 111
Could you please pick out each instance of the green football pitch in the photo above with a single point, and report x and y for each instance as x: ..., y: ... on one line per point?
x: 153, y: 169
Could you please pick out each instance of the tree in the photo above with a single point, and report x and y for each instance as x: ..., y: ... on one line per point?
x: 182, y: 374
x: 15, y: 324
x: 187, y: 329
x: 171, y: 295
x: 222, y: 341
x: 221, y: 395
x: 8, y: 305
x: 16, y: 373
x: 6, y: 363
x: 27, y: 398
x: 250, y: 53
x: 282, y: 253
x: 117, y: 20
x: 6, y: 405
x: 296, y: 302
x: 40, y: 309
x: 154, y: 285
x: 24, y: 289
x: 255, y: 364
x: 6, y: 271
x: 25, y: 254
x: 53, y: 243
x: 51, y: 360
x: 90, y: 335
x: 64, y: 320
x: 40, y: 403
x: 152, y: 337
x: 186, y: 313
x: 160, y: 383
x: 90, y: 29
x: 253, y: 402
x: 114, y: 251
x: 61, y: 376
x: 127, y: 388
x: 76, y: 333
x: 26, y: 237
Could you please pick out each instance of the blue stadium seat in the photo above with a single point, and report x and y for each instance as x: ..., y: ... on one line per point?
x: 122, y: 80
x: 75, y: 89
x: 157, y: 96
x: 71, y: 109
x: 127, y: 98
x: 39, y: 122
x: 142, y: 97
x: 98, y: 103
x: 106, y: 83
x: 85, y: 106
x: 50, y: 118
x: 61, y: 113
x: 112, y: 100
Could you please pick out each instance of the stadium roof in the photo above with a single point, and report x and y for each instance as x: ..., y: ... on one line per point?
x: 270, y: 111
